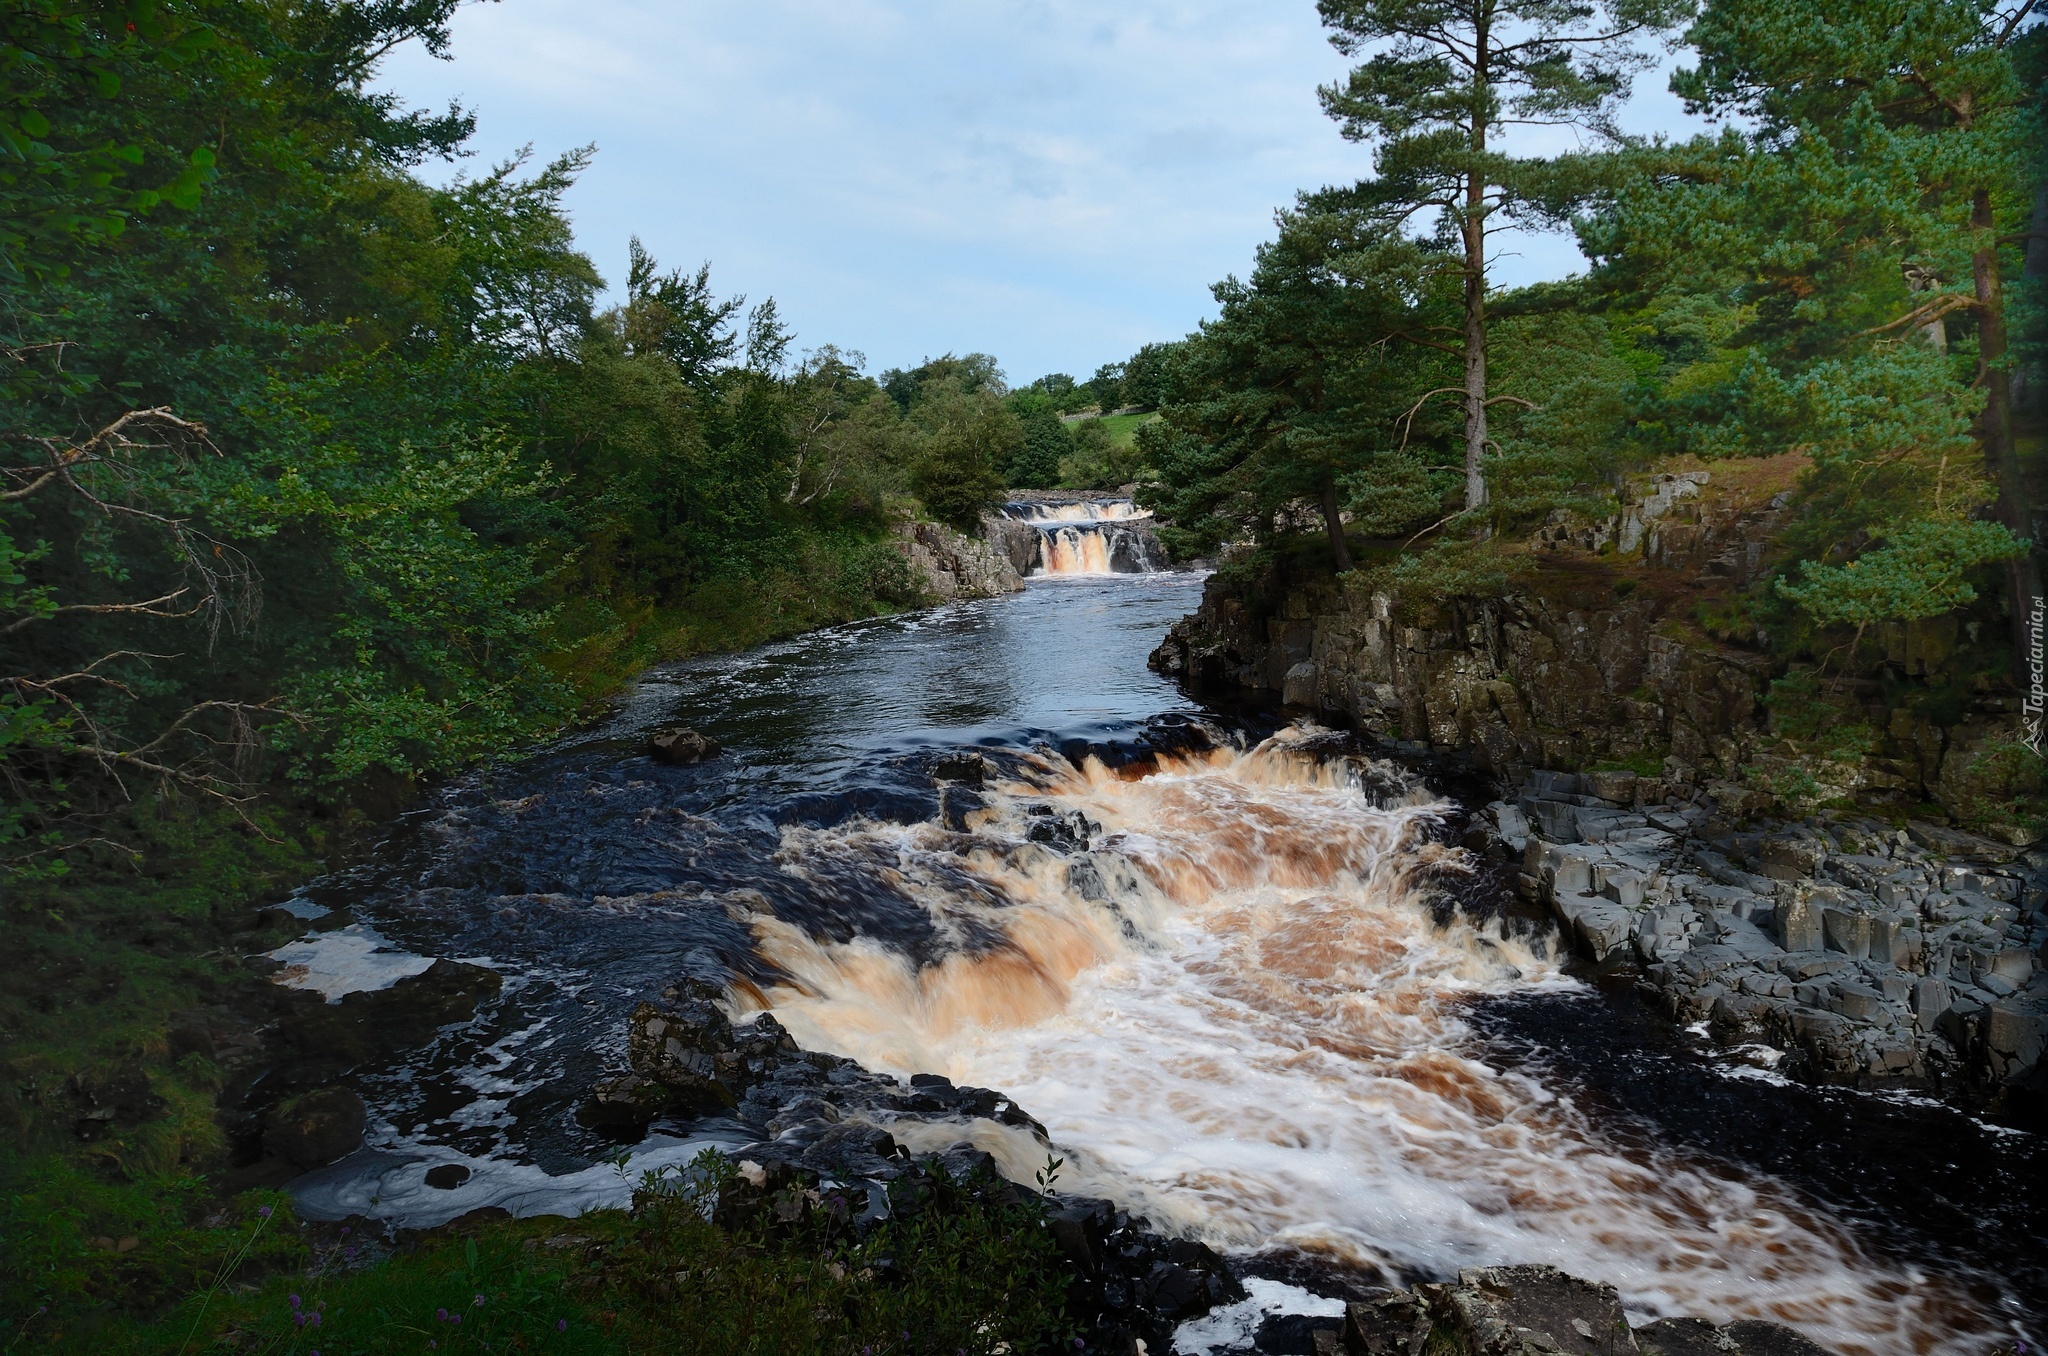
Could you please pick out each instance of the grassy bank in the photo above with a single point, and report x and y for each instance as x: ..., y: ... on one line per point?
x: 965, y: 1267
x: 130, y: 1029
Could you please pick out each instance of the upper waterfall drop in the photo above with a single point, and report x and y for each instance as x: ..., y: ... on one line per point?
x: 1086, y: 536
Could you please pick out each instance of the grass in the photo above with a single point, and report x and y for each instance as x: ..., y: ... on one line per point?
x: 119, y: 1211
x: 1123, y: 428
x: 962, y: 1267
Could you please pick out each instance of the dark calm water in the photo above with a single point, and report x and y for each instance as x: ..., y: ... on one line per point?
x: 589, y: 877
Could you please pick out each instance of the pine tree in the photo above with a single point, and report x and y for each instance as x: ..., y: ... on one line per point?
x: 1445, y: 81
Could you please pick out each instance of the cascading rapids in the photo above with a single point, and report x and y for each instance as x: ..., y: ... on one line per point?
x: 1218, y: 982
x: 1097, y: 536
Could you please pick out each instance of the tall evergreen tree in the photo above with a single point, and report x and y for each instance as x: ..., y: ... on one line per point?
x: 1446, y: 79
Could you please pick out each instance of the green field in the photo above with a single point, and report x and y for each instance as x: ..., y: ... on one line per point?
x: 1124, y: 427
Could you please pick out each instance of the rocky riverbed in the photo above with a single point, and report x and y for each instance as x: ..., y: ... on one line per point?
x: 1844, y: 949
x: 832, y: 1136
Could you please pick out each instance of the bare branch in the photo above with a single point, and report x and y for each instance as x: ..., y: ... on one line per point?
x: 1408, y: 419
x: 1925, y: 314
x: 150, y: 608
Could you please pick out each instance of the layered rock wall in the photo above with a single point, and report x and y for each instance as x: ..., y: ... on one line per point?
x: 1597, y: 657
x: 1852, y: 950
x: 949, y: 565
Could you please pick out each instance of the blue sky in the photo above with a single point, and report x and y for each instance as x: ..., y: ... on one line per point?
x: 1049, y: 181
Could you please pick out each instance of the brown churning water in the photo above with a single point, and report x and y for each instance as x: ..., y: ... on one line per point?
x: 1234, y: 1013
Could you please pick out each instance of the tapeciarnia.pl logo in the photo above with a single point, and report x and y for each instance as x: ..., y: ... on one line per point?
x: 2037, y: 695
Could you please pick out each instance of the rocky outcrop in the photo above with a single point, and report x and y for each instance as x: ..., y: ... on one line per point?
x: 1539, y: 1311
x: 949, y: 565
x: 834, y: 1137
x: 1594, y: 659
x: 1015, y: 539
x: 316, y: 1128
x: 1842, y: 950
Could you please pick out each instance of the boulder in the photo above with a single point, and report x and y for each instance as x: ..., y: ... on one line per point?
x: 679, y: 744
x: 1523, y: 1311
x: 678, y: 1043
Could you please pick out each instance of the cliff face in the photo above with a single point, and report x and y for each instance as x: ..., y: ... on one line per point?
x: 1596, y: 657
x: 949, y: 565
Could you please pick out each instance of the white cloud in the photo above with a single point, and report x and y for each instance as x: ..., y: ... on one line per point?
x: 1030, y: 178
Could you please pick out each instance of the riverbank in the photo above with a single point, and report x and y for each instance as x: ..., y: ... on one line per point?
x: 1277, y: 1054
x: 139, y: 1055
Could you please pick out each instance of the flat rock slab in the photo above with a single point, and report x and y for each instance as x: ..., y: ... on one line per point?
x: 1509, y: 1311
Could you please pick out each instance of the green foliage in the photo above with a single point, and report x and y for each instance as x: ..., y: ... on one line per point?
x: 1920, y: 571
x: 1832, y: 268
x: 1145, y: 381
x: 1300, y: 392
x: 332, y: 476
x: 972, y: 374
x: 955, y: 1269
x: 1444, y: 81
x: 1044, y: 445
x: 1448, y: 568
x: 965, y: 433
x: 1100, y: 460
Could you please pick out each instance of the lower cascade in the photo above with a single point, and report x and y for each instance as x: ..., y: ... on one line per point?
x: 1088, y: 536
x: 1231, y: 990
x: 869, y: 896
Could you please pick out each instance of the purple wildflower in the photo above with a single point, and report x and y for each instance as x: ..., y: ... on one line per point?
x: 479, y: 1303
x: 561, y: 1325
x: 263, y: 1210
x: 441, y: 1314
x: 295, y: 1301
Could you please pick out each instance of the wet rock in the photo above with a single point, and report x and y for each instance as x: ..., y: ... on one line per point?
x: 1862, y: 973
x: 1395, y: 1326
x: 1683, y: 1337
x: 1297, y: 1334
x: 969, y: 768
x: 948, y: 565
x: 625, y: 1105
x: 320, y: 1040
x: 1507, y: 1311
x: 677, y: 1044
x: 1542, y: 1311
x: 679, y: 744
x: 446, y: 1176
x: 1759, y: 1337
x: 315, y: 1128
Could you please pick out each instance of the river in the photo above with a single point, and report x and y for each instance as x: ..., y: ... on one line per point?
x: 1251, y: 1014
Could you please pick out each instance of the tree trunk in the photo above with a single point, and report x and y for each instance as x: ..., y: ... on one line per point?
x: 1475, y: 359
x: 1475, y: 284
x: 1333, y: 523
x: 2015, y: 509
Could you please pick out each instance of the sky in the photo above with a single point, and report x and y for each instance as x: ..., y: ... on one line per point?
x: 1050, y: 181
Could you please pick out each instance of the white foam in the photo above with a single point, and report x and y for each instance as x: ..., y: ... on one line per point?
x: 389, y: 1183
x: 1252, y: 1031
x: 1234, y: 1326
x: 351, y: 959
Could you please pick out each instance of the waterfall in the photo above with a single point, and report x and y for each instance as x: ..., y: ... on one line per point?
x: 1220, y: 982
x: 1090, y: 536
